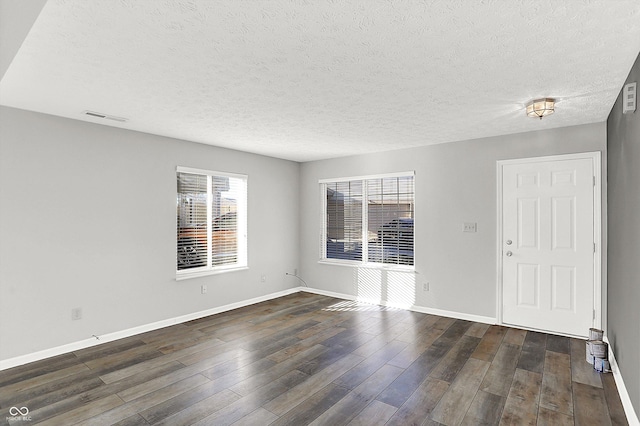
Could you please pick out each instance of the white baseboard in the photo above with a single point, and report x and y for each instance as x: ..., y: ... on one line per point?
x: 453, y: 314
x: 415, y: 308
x: 94, y: 341
x: 632, y: 417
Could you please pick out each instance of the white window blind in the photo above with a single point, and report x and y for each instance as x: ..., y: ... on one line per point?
x: 211, y: 212
x: 369, y: 220
x: 343, y: 219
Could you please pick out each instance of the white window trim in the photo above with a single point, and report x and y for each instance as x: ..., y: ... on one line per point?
x: 323, y: 225
x: 181, y: 169
x: 411, y: 173
x: 242, y: 238
x: 367, y: 265
x: 218, y: 270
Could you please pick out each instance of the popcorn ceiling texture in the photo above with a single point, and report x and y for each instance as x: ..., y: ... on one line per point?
x: 307, y: 80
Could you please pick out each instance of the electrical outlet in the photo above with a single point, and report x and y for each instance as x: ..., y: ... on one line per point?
x: 263, y: 278
x: 76, y: 314
x: 203, y: 289
x: 295, y: 271
x: 425, y: 286
x: 470, y: 227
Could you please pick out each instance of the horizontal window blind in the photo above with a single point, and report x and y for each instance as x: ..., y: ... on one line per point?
x: 211, y: 221
x: 390, y: 220
x: 369, y: 220
x: 192, y: 221
x: 344, y: 219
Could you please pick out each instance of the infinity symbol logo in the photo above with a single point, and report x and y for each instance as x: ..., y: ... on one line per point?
x: 15, y: 411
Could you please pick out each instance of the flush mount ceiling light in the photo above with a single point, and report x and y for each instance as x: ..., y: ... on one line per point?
x: 541, y: 107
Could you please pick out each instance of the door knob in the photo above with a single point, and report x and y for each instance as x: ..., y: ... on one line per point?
x: 509, y: 242
x: 509, y: 253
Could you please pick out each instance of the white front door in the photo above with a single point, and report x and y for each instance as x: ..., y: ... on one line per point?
x: 548, y: 245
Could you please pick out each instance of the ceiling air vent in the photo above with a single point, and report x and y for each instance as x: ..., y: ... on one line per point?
x: 105, y: 116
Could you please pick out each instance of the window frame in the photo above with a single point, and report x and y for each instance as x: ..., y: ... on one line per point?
x: 242, y: 261
x: 365, y: 263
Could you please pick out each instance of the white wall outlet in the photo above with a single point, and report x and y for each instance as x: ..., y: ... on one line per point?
x: 263, y: 278
x: 295, y: 271
x: 76, y: 314
x: 425, y: 286
x: 470, y: 227
x: 203, y: 289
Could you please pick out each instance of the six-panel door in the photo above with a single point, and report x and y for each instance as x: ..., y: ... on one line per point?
x: 548, y: 245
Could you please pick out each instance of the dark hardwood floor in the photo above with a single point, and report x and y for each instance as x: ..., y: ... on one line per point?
x: 309, y: 359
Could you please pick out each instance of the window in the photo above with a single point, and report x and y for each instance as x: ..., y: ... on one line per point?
x: 211, y: 212
x: 368, y: 220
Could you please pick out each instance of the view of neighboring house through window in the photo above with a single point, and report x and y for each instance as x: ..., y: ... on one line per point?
x: 211, y: 212
x: 369, y: 220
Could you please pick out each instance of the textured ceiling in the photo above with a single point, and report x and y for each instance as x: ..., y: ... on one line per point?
x: 306, y: 80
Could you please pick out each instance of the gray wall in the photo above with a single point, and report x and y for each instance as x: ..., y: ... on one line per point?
x: 455, y: 183
x: 88, y: 220
x: 16, y: 19
x: 623, y: 143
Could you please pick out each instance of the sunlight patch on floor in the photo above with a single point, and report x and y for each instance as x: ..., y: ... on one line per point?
x: 357, y: 305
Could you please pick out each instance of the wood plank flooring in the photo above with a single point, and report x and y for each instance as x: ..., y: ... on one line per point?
x: 309, y: 359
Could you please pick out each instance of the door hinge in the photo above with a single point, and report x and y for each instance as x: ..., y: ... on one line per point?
x: 594, y: 248
x: 594, y: 181
x: 594, y: 314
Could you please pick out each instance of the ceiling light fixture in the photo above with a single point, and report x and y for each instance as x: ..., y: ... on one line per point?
x: 541, y: 107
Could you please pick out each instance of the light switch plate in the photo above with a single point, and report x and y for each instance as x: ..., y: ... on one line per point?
x: 470, y: 227
x: 76, y: 314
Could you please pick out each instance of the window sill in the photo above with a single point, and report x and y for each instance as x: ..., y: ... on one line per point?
x: 189, y: 275
x: 381, y: 266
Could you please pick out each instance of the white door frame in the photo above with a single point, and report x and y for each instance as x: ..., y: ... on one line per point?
x: 598, y: 256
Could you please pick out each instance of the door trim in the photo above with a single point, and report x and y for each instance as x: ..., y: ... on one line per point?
x: 598, y: 255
